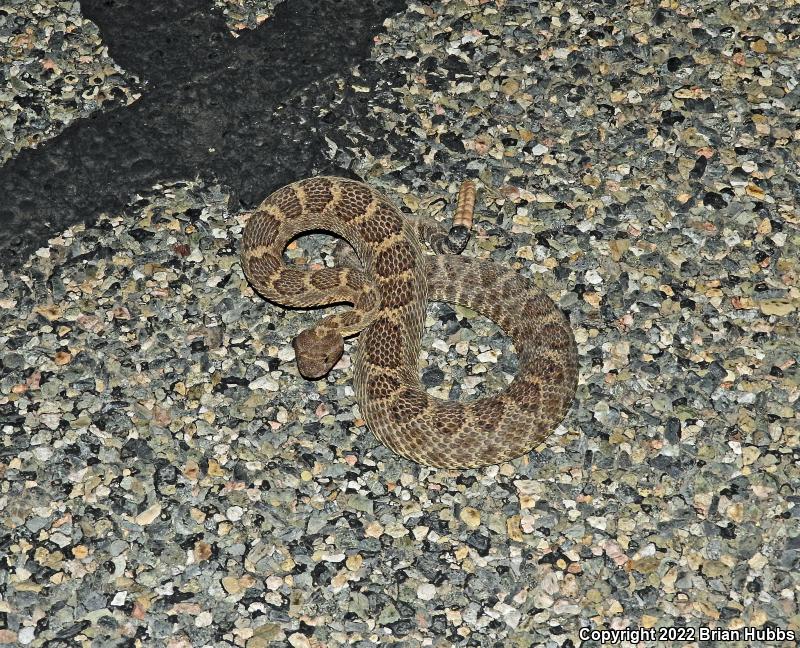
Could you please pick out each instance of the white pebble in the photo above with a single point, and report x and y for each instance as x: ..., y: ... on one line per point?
x: 42, y: 453
x: 593, y: 277
x: 234, y: 513
x: 597, y: 522
x: 299, y: 640
x: 286, y: 353
x: 274, y: 582
x: 119, y: 598
x: 426, y: 592
x: 25, y: 635
x: 489, y: 356
x: 264, y: 382
x: 539, y: 149
x: 204, y: 619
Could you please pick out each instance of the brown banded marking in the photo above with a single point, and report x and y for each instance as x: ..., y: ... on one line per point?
x: 379, y: 223
x: 263, y: 267
x: 395, y: 259
x: 286, y: 201
x: 262, y: 227
x: 555, y: 336
x: 383, y: 387
x: 466, y: 205
x: 486, y: 417
x: 316, y: 195
x: 537, y: 307
x: 339, y: 210
x: 384, y: 342
x: 526, y: 393
x: 409, y: 404
x: 355, y: 200
x: 290, y: 281
x: 488, y: 280
x: 328, y: 278
x: 398, y: 293
x: 450, y: 417
x: 350, y: 319
x: 507, y: 288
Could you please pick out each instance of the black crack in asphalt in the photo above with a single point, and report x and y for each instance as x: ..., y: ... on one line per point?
x: 239, y: 111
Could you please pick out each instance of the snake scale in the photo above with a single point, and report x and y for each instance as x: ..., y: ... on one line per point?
x: 389, y: 292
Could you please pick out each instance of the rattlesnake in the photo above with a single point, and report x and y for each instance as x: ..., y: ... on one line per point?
x: 389, y: 293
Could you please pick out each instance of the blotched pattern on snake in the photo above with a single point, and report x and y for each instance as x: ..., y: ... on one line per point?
x: 389, y: 292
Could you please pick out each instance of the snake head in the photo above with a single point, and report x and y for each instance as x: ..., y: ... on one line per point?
x: 316, y: 351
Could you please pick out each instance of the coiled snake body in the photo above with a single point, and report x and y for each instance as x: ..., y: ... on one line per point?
x: 389, y: 292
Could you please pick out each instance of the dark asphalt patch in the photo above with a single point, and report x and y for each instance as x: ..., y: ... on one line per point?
x: 240, y: 111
